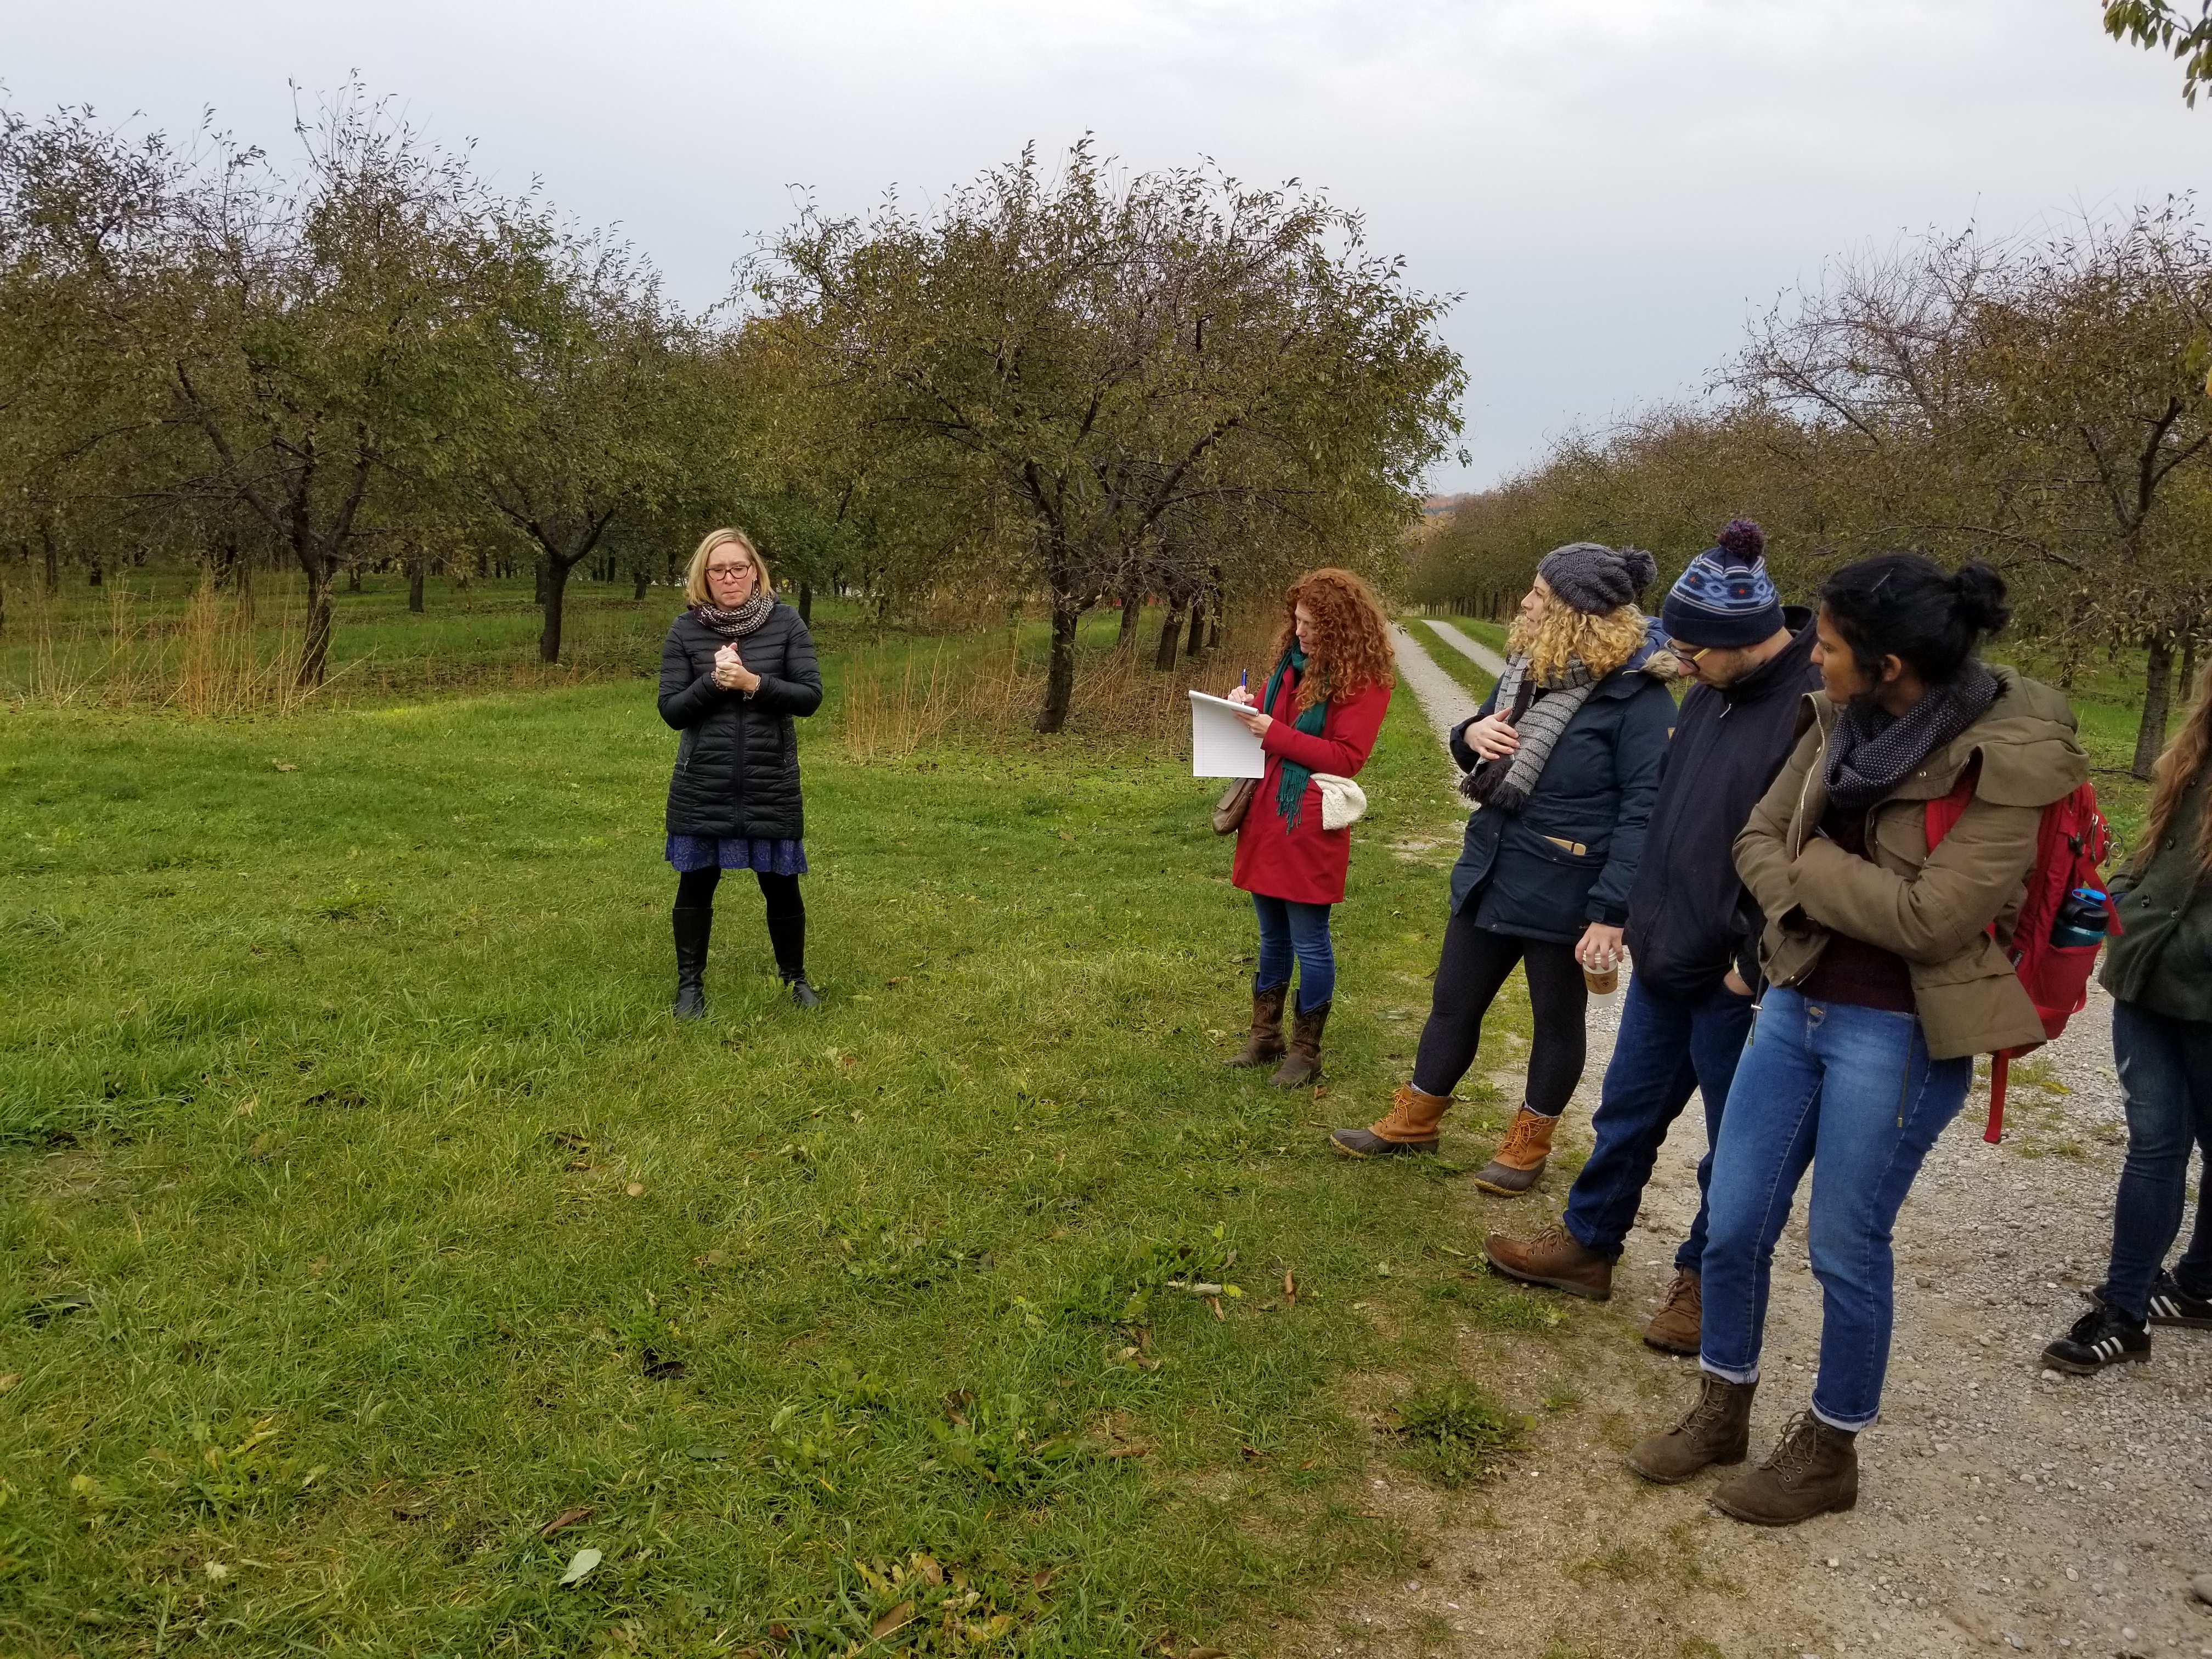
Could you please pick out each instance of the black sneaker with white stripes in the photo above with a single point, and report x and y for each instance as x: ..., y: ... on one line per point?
x: 2101, y: 1337
x: 2172, y: 1305
x: 2169, y: 1303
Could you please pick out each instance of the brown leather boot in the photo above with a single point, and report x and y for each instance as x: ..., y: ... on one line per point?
x: 1265, y: 1042
x: 1554, y: 1257
x: 1812, y: 1469
x: 1302, y: 1064
x: 1410, y: 1126
x: 1717, y: 1430
x: 1680, y: 1319
x: 1521, y: 1157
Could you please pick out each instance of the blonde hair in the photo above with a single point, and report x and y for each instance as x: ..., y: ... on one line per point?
x: 694, y: 573
x: 2176, y: 770
x: 1561, y: 631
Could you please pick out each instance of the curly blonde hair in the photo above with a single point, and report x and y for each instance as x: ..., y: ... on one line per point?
x: 2176, y: 770
x: 1351, y: 650
x: 1560, y: 632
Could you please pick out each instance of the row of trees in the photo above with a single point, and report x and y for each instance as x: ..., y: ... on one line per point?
x: 2040, y: 403
x: 1070, y: 389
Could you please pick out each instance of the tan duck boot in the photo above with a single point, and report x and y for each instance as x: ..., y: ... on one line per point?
x: 1302, y: 1064
x: 1812, y: 1470
x: 1265, y: 1042
x: 1681, y: 1321
x: 1717, y: 1430
x: 1521, y: 1157
x: 1410, y: 1126
x: 1554, y: 1257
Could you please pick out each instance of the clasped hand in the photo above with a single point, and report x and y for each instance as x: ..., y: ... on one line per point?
x: 1255, y: 722
x: 731, y: 672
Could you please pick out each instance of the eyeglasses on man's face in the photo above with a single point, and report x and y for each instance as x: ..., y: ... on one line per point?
x: 1688, y: 653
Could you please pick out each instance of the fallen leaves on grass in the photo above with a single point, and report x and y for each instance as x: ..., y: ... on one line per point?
x: 566, y: 1519
x: 580, y: 1566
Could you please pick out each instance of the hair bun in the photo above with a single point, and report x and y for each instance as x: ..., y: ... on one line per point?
x: 1743, y: 537
x: 1981, y: 592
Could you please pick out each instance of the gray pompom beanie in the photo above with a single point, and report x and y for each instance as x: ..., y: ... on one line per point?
x: 1596, y: 578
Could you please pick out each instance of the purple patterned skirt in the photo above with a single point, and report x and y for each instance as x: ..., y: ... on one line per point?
x: 774, y: 858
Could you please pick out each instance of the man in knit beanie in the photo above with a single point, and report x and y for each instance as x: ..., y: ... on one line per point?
x: 1692, y: 929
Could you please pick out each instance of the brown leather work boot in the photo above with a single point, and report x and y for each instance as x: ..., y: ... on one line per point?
x: 1410, y: 1126
x: 1717, y: 1430
x: 1554, y: 1257
x: 1265, y: 1042
x: 1521, y: 1157
x: 1813, y: 1469
x: 1302, y: 1064
x: 1681, y: 1317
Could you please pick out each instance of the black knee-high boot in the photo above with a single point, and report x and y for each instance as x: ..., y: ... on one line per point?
x: 787, y: 935
x: 694, y: 920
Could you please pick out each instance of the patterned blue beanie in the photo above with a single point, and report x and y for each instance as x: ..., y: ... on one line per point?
x: 1725, y: 599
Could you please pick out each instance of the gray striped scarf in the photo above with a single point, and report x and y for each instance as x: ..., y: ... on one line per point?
x: 1506, y: 784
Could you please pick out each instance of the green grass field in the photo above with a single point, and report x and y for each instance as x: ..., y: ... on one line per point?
x: 365, y: 1215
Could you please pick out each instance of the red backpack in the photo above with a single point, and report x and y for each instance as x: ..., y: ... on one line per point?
x: 2069, y: 851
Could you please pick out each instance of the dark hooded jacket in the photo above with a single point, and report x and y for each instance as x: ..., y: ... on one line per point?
x: 1689, y: 918
x: 737, y: 766
x: 1568, y: 858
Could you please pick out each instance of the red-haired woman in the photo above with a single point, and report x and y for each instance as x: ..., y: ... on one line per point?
x: 1321, y: 709
x: 2159, y: 970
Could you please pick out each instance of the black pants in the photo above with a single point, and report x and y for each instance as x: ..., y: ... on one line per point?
x: 786, y: 912
x: 1469, y: 975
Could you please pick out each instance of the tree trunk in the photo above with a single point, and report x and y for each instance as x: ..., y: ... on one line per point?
x: 1171, y: 637
x: 553, y: 590
x: 315, y: 651
x: 1059, y: 675
x: 2189, y: 669
x: 1132, y: 606
x: 2158, y: 698
x: 92, y: 576
x: 417, y: 569
x: 353, y: 576
x: 53, y: 559
x: 806, y: 603
x: 1196, y: 642
x: 640, y: 581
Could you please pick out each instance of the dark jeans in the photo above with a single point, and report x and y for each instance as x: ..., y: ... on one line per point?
x: 786, y: 912
x: 1471, y: 971
x: 2166, y: 1075
x: 1667, y: 1046
x: 1291, y: 931
x: 1853, y: 1092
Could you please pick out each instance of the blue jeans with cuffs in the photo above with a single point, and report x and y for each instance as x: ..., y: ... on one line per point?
x: 1291, y: 931
x: 1853, y: 1093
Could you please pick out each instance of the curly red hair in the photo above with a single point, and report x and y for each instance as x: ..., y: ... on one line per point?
x: 1351, y: 650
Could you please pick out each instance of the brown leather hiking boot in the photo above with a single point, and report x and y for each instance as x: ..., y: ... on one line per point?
x: 1554, y: 1257
x: 1410, y: 1126
x: 1265, y: 1042
x: 1676, y: 1326
x: 1812, y: 1469
x: 1302, y: 1064
x: 1717, y: 1430
x: 1521, y: 1157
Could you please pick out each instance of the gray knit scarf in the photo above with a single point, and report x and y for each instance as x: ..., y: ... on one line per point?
x: 734, y: 623
x: 1505, y: 784
x: 1872, y: 750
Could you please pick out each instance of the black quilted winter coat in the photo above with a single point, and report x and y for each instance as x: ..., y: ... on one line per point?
x: 737, y: 766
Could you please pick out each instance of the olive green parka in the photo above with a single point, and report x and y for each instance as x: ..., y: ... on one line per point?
x: 2161, y: 956
x: 1934, y: 910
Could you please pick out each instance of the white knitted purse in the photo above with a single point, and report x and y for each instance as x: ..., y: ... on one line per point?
x: 1343, y: 802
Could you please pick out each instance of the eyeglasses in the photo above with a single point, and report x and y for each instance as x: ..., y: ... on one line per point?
x: 1689, y: 654
x: 729, y: 570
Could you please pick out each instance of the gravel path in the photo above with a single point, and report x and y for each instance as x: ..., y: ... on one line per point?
x: 2002, y: 1507
x: 1443, y: 699
x: 1480, y: 654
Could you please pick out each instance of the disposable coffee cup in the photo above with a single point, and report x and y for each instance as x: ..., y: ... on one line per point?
x: 1602, y: 981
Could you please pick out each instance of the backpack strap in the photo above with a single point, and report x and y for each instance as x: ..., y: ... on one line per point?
x: 1945, y: 811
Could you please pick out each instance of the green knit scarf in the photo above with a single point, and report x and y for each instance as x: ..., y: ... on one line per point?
x: 1291, y: 792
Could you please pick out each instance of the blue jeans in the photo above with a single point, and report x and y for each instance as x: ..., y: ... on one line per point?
x: 2166, y: 1075
x: 1289, y: 929
x: 1666, y: 1047
x: 1852, y: 1092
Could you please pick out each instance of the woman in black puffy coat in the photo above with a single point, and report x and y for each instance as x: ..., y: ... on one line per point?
x: 736, y: 670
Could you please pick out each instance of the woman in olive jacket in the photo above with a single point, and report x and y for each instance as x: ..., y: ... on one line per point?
x: 1887, y: 972
x: 2159, y: 970
x: 736, y: 670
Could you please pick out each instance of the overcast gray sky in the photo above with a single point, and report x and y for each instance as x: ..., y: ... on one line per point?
x: 1613, y: 185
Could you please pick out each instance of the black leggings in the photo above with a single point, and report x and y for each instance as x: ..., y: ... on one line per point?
x: 1469, y: 975
x: 786, y: 911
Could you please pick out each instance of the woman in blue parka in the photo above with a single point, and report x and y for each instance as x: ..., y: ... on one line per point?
x: 1562, y: 763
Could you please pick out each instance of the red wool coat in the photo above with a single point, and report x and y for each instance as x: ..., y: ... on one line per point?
x: 1306, y: 864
